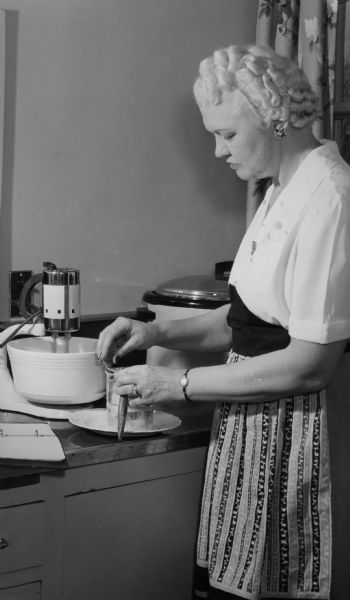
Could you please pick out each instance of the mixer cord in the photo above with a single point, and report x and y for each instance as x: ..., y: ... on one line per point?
x: 14, y: 333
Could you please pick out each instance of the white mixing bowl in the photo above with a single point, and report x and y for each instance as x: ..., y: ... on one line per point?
x: 42, y: 375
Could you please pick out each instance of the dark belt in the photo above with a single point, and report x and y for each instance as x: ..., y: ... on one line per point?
x: 252, y: 336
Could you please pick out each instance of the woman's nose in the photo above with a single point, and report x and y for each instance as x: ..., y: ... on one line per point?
x: 221, y: 148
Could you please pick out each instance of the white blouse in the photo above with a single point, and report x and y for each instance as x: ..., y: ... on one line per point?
x: 298, y: 274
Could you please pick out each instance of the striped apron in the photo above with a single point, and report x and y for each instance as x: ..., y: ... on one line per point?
x: 265, y: 527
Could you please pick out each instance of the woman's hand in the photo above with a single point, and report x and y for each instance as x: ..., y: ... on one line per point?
x: 152, y: 384
x: 124, y: 336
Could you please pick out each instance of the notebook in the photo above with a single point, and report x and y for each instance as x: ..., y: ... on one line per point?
x: 29, y: 441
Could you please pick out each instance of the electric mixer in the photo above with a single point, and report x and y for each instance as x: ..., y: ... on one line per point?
x: 60, y: 309
x: 54, y: 370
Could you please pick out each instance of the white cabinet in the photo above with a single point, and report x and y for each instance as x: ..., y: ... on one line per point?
x: 30, y: 591
x: 22, y: 535
x: 22, y: 538
x: 133, y: 541
x: 118, y: 529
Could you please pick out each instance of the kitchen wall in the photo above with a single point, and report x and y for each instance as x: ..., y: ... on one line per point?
x: 107, y: 166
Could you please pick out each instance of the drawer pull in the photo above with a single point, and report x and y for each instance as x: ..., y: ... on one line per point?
x: 3, y: 543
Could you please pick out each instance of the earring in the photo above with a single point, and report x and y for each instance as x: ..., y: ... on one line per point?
x: 279, y: 130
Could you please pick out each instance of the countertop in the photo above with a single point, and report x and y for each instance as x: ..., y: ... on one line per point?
x: 82, y: 447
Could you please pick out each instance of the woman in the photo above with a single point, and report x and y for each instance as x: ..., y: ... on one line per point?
x: 265, y: 529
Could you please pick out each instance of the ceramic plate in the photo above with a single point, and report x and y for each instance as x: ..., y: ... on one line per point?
x: 99, y: 420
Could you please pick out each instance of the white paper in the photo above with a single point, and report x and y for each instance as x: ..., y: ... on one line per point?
x: 29, y: 441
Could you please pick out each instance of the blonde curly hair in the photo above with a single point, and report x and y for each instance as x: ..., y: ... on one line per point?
x: 275, y: 87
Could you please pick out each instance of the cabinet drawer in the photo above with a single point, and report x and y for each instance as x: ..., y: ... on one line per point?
x: 30, y: 591
x: 21, y: 536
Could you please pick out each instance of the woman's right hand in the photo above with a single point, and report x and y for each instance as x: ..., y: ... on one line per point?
x: 123, y: 336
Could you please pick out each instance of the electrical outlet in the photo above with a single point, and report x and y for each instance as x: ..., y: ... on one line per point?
x: 17, y: 281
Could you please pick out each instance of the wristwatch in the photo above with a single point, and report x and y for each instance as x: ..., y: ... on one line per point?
x: 184, y: 381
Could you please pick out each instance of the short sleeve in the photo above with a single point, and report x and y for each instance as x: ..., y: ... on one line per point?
x: 320, y: 281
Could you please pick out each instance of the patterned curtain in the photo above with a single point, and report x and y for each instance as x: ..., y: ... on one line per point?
x: 304, y: 30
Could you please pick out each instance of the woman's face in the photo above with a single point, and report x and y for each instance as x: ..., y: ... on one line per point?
x: 250, y: 150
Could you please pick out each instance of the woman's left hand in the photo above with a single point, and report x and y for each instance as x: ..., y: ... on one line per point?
x: 151, y: 384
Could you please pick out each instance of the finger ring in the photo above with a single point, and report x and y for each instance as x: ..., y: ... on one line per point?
x: 135, y: 393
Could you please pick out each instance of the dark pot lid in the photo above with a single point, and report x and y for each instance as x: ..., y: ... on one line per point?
x: 193, y: 287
